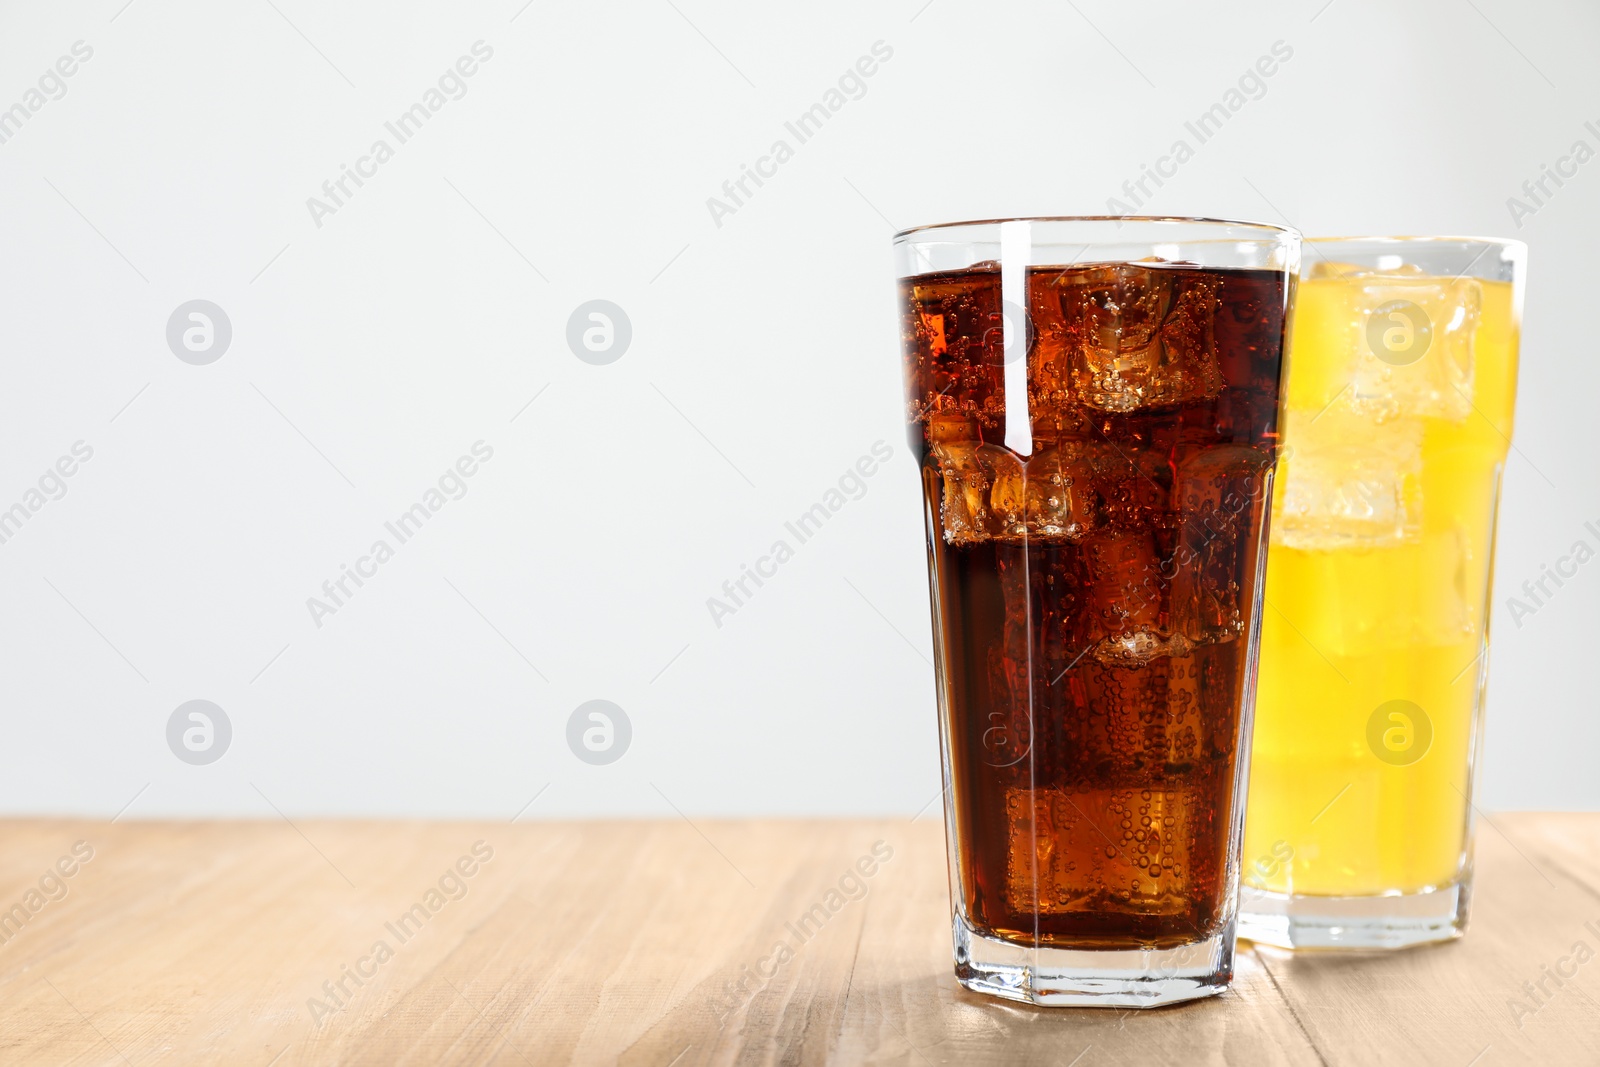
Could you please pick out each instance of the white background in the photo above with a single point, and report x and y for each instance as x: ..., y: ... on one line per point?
x: 372, y: 351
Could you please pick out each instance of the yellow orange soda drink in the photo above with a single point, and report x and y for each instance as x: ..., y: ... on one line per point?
x: 1374, y: 645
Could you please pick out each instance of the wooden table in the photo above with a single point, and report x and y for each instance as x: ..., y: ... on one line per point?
x: 228, y: 943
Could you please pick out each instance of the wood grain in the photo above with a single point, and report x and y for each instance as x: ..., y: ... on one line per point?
x: 201, y: 943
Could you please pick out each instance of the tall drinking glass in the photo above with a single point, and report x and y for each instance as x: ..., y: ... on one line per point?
x: 1095, y: 404
x: 1374, y: 652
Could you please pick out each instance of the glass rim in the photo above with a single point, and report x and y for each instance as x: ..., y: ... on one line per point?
x: 1457, y: 256
x: 1269, y: 227
x: 1508, y: 243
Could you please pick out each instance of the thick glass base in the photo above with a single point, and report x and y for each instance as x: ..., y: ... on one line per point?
x: 1112, y: 978
x: 1395, y: 921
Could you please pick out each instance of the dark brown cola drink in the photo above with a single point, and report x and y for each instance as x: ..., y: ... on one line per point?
x: 1095, y: 470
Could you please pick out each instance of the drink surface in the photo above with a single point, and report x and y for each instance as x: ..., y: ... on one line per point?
x: 1396, y: 429
x: 1095, y: 474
